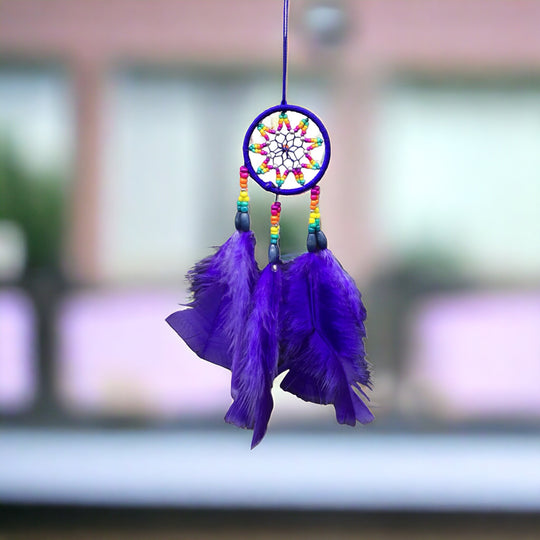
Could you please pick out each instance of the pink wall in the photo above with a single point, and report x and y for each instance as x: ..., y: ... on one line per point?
x: 384, y: 36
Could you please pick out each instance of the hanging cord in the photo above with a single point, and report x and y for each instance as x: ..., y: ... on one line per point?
x: 285, y: 50
x: 273, y: 248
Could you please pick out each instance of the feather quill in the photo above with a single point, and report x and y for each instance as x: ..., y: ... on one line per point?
x: 253, y: 375
x: 323, y: 347
x: 213, y: 322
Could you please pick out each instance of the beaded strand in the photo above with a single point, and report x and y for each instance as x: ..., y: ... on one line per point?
x: 258, y: 149
x: 299, y: 176
x: 283, y: 117
x: 274, y: 220
x: 243, y: 199
x: 264, y: 166
x: 314, y: 212
x: 312, y: 163
x: 264, y: 130
x: 302, y: 126
x: 315, y: 142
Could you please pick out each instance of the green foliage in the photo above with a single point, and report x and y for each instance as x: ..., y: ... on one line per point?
x: 35, y: 202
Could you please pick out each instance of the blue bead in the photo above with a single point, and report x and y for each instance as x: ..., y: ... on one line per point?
x: 241, y: 221
x: 273, y: 254
x: 322, y: 242
x: 311, y: 242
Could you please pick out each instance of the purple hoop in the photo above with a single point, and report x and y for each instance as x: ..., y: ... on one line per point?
x: 269, y: 186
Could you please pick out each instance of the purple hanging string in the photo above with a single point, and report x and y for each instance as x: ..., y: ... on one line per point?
x: 285, y: 51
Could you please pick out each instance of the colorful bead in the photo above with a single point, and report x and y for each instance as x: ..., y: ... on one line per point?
x: 312, y: 163
x: 274, y: 220
x: 263, y: 130
x: 242, y: 203
x: 283, y: 118
x: 314, y: 222
x: 264, y: 167
x: 258, y: 148
x: 302, y: 126
x: 299, y: 176
x: 315, y: 143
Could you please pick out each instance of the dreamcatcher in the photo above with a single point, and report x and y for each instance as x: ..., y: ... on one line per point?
x: 306, y: 316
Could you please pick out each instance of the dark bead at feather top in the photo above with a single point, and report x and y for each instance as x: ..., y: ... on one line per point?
x: 311, y: 243
x: 241, y: 221
x: 322, y: 242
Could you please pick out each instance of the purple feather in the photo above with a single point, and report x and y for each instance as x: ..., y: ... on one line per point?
x: 213, y: 323
x: 323, y: 345
x: 253, y: 375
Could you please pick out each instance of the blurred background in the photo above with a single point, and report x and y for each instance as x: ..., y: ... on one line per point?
x: 121, y: 125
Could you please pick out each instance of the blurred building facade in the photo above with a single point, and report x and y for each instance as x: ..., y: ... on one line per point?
x: 430, y: 201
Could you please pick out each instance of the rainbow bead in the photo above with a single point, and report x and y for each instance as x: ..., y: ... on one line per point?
x: 283, y: 118
x: 314, y: 223
x: 258, y: 148
x: 274, y: 229
x: 264, y: 167
x: 312, y: 163
x: 242, y: 204
x: 302, y: 126
x: 315, y: 143
x: 263, y: 130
